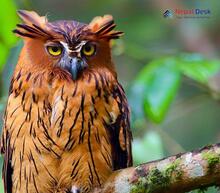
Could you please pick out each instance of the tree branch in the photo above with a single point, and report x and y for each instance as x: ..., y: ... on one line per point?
x: 175, y: 174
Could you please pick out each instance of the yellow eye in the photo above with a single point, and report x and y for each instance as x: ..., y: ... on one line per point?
x: 88, y: 49
x: 54, y: 50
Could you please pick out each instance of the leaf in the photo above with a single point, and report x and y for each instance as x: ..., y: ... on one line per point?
x: 159, y: 82
x: 197, y: 68
x: 147, y: 149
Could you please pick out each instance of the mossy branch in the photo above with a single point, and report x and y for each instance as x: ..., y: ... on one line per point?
x: 175, y: 174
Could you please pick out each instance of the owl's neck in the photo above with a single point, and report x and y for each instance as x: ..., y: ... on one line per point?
x: 49, y: 79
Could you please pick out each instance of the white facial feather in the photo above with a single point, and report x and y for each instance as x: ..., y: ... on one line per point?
x: 77, y: 48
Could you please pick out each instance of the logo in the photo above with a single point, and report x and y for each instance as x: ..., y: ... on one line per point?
x: 187, y: 13
x: 168, y: 14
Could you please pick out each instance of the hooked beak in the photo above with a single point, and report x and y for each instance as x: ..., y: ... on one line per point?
x: 75, y: 66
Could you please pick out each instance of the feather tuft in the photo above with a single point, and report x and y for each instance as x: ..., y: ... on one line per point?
x: 33, y: 26
x: 31, y: 17
x: 104, y: 27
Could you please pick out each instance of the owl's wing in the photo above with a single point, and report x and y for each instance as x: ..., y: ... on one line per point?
x: 119, y: 132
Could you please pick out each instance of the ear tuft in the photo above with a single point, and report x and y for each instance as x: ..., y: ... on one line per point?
x: 99, y: 21
x: 34, y: 26
x: 31, y: 17
x: 103, y: 27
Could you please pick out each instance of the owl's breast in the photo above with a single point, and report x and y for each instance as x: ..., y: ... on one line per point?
x: 80, y: 111
x: 79, y: 105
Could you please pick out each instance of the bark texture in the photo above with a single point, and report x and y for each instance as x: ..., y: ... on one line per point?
x: 175, y: 174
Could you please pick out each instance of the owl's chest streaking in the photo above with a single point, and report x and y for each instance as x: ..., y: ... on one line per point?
x: 80, y: 113
x: 60, y: 135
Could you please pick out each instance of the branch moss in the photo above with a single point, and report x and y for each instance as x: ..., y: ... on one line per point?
x: 154, y: 180
x: 157, y: 179
x: 212, y: 158
x: 174, y: 168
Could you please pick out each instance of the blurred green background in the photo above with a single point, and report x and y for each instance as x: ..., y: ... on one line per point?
x: 168, y: 66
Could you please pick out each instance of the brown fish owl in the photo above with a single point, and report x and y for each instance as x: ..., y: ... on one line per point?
x: 66, y: 124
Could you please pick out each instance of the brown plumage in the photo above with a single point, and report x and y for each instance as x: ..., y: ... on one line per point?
x: 66, y: 125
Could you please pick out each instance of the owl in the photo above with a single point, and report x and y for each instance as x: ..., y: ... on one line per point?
x: 66, y: 124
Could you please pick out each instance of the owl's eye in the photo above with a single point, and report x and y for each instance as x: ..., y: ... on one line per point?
x: 88, y: 49
x: 54, y: 50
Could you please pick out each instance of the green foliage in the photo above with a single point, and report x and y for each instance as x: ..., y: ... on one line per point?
x: 157, y: 84
x: 161, y: 79
x: 197, y: 67
x: 9, y: 20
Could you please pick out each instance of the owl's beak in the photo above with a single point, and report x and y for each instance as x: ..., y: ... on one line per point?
x: 76, y: 65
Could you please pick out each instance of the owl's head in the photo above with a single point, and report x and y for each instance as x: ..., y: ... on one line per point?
x: 69, y: 45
